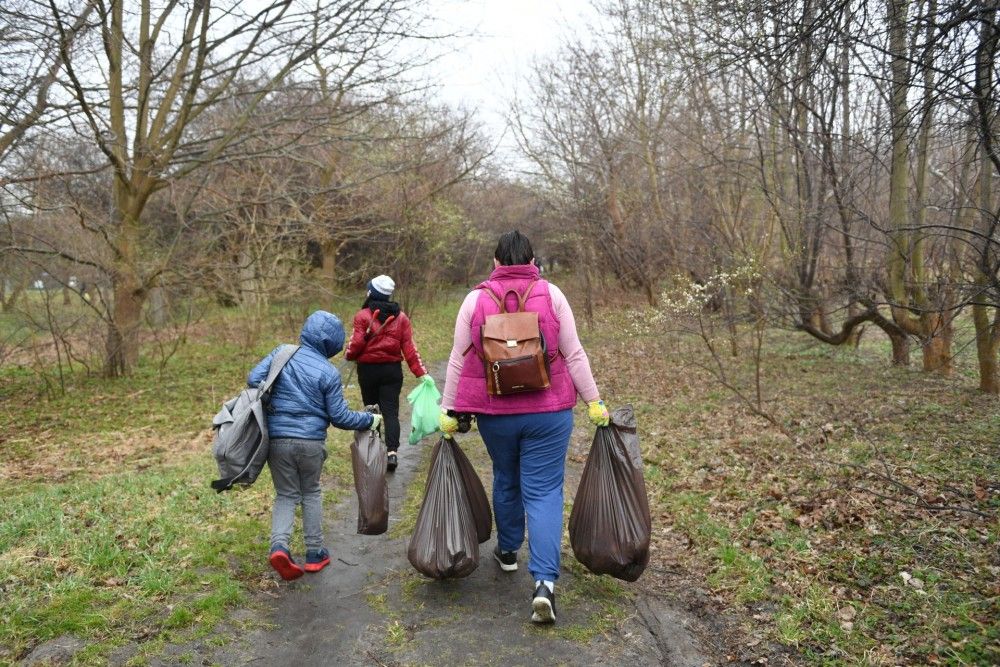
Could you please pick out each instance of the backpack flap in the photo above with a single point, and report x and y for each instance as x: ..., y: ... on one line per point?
x: 508, y: 333
x: 225, y: 414
x: 514, y: 354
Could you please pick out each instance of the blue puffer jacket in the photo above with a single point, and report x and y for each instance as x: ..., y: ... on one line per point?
x: 308, y: 396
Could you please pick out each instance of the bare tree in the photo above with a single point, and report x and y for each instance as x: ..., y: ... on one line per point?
x: 147, y: 84
x: 33, y: 52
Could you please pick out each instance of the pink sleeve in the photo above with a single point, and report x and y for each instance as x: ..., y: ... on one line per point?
x: 571, y: 349
x: 463, y: 339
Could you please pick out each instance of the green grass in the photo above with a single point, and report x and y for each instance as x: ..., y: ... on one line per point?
x: 108, y: 529
x: 125, y: 555
x: 605, y: 599
x: 810, y: 525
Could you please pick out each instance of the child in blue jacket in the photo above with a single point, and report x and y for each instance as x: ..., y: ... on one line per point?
x: 305, y: 399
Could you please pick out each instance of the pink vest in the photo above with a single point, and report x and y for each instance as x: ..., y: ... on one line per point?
x: 471, y: 395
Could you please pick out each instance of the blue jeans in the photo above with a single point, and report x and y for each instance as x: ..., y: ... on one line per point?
x: 529, y: 463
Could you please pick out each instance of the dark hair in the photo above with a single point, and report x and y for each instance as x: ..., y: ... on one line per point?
x: 514, y: 248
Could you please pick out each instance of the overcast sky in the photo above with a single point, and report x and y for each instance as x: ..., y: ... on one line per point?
x: 483, y: 70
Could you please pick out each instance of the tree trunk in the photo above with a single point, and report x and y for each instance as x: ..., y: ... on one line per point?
x: 818, y: 317
x: 649, y: 291
x: 249, y: 290
x: 729, y: 314
x: 614, y: 206
x: 328, y: 270
x: 854, y: 338
x: 588, y: 283
x: 127, y: 289
x: 937, y: 356
x: 986, y: 350
x: 157, y: 306
x: 937, y: 346
x: 900, y: 348
x: 899, y: 174
x: 987, y: 331
x: 9, y: 300
x: 122, y: 344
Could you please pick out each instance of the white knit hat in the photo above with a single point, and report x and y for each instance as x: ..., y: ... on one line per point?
x: 383, y: 284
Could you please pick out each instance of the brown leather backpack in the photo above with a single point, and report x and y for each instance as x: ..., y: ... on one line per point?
x: 514, y: 351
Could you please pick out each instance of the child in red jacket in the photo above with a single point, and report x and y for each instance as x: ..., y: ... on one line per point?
x: 382, y: 338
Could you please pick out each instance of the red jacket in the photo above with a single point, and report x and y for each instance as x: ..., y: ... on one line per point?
x: 374, y: 342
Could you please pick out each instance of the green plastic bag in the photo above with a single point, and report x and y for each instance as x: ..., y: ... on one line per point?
x: 424, y: 401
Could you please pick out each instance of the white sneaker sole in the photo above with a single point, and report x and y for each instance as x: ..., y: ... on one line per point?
x: 504, y: 566
x: 542, y: 611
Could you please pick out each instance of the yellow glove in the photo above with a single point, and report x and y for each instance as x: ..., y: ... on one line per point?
x: 598, y: 413
x: 448, y: 425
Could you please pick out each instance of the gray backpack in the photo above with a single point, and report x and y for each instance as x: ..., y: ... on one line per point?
x: 241, y: 442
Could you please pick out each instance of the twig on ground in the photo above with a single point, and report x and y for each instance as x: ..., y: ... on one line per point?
x: 922, y: 504
x: 905, y: 488
x: 376, y: 659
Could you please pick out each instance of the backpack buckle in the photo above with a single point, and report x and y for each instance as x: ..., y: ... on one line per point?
x: 511, y: 343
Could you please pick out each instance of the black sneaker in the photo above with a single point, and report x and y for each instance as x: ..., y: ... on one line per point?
x: 543, y: 605
x: 507, y: 559
x: 391, y: 462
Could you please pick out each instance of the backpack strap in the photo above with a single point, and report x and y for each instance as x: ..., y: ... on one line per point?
x: 522, y: 298
x: 496, y: 299
x: 283, y: 356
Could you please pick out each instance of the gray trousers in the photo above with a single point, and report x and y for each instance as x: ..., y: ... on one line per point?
x: 295, y: 470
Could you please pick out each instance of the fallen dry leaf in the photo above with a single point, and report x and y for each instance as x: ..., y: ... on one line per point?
x: 847, y: 613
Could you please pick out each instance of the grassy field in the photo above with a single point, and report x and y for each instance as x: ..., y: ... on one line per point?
x: 108, y: 528
x: 865, y: 532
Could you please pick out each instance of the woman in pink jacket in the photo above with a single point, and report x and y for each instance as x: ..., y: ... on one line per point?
x: 527, y: 434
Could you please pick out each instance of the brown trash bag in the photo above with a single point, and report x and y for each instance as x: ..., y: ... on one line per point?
x: 482, y: 515
x: 368, y: 459
x: 610, y: 526
x: 444, y: 540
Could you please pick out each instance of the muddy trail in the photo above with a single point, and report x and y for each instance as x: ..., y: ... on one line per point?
x: 370, y: 607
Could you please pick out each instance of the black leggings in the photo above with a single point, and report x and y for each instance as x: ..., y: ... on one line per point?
x: 381, y: 385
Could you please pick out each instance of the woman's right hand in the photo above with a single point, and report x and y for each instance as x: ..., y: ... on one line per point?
x: 448, y: 425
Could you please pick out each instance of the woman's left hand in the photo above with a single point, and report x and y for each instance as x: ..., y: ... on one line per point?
x: 598, y: 413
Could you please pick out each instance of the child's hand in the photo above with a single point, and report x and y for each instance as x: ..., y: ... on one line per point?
x: 376, y: 422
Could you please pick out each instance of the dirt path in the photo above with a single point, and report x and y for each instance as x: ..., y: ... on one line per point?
x: 371, y: 608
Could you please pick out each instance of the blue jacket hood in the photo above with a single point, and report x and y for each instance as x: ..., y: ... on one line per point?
x: 324, y: 333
